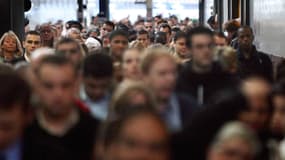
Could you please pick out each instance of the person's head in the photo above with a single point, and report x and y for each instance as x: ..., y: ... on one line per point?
x: 130, y: 94
x: 160, y: 38
x: 130, y: 64
x: 234, y: 141
x: 143, y: 37
x: 57, y: 84
x: 200, y: 42
x: 118, y: 43
x: 277, y: 124
x: 227, y: 58
x: 47, y: 36
x: 97, y: 75
x: 220, y: 39
x: 257, y: 91
x: 32, y: 41
x: 159, y: 71
x: 138, y: 134
x: 74, y: 33
x: 245, y: 38
x: 14, y: 108
x: 213, y: 22
x: 11, y: 43
x: 231, y: 27
x: 180, y: 44
x: 148, y: 25
x: 106, y: 40
x: 164, y: 27
x: 71, y: 49
x: 107, y: 27
x: 73, y: 24
x: 280, y: 71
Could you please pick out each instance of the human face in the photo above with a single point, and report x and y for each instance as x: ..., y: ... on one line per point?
x: 180, y: 47
x: 232, y: 149
x: 75, y: 35
x: 142, y: 138
x: 219, y: 41
x: 131, y: 60
x: 71, y: 51
x: 105, y: 29
x: 9, y: 44
x: 148, y: 26
x: 257, y: 92
x: 96, y: 88
x: 118, y: 45
x: 167, y: 31
x: 46, y: 33
x: 12, y: 123
x: 202, y: 50
x: 162, y: 77
x: 144, y: 39
x: 277, y: 124
x: 57, y: 87
x: 32, y: 42
x: 245, y: 38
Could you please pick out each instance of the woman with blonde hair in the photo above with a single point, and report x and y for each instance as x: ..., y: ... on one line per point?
x: 227, y: 58
x: 10, y: 47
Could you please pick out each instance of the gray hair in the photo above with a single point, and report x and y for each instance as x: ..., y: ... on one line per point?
x: 236, y: 129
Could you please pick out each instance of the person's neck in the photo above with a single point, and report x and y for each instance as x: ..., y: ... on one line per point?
x: 247, y: 52
x: 56, y: 120
x: 201, y: 69
x: 8, y: 55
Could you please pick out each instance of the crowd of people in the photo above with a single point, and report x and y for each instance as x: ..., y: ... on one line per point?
x: 158, y: 89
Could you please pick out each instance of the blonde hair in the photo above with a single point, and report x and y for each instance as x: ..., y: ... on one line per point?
x: 227, y: 57
x: 19, y: 51
x: 151, y: 54
x: 121, y: 99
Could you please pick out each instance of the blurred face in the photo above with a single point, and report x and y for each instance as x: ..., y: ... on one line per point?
x: 167, y: 31
x: 220, y: 41
x: 57, y: 87
x: 233, y: 149
x: 202, y: 50
x: 141, y: 138
x: 180, y: 47
x: 12, y: 123
x: 118, y: 45
x: 46, y: 33
x: 257, y: 92
x: 162, y: 77
x: 144, y: 39
x: 75, y: 35
x: 148, y: 26
x: 105, y: 29
x: 71, y: 51
x: 9, y: 44
x: 96, y: 88
x: 245, y: 38
x: 131, y: 60
x: 277, y: 124
x: 32, y: 42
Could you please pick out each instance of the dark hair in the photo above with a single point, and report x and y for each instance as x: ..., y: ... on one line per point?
x: 280, y: 74
x: 66, y: 40
x: 110, y: 23
x: 197, y: 31
x: 175, y: 29
x: 179, y: 35
x: 57, y: 60
x: 165, y: 25
x: 246, y: 27
x: 160, y: 37
x: 97, y: 65
x: 140, y: 32
x: 33, y: 32
x: 14, y: 90
x: 112, y: 128
x: 278, y: 88
x: 118, y: 33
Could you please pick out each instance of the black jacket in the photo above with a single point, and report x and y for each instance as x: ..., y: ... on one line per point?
x: 203, y: 86
x: 258, y: 64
